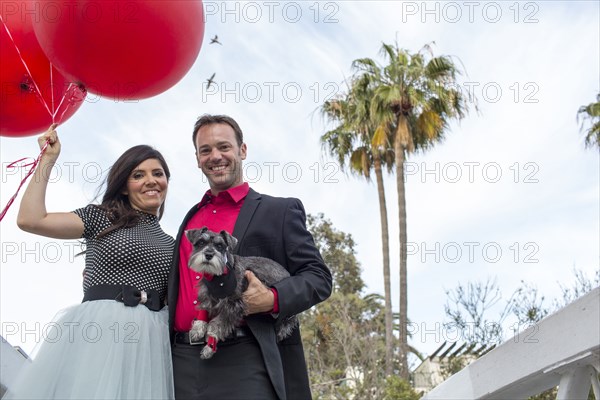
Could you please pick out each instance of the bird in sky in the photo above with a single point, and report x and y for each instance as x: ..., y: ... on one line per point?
x: 210, y: 80
x: 215, y: 40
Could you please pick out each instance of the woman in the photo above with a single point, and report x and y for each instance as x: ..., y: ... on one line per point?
x: 115, y: 344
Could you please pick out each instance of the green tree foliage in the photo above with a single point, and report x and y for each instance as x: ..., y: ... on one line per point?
x: 580, y: 286
x: 415, y: 98
x: 398, y: 389
x: 358, y: 145
x: 527, y: 305
x: 591, y: 115
x: 344, y: 337
x: 337, y: 249
x: 469, y: 308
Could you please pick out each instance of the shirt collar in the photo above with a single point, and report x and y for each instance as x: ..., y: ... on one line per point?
x: 236, y: 194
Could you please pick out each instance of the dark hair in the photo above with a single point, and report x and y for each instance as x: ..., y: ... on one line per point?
x: 208, y: 119
x: 117, y: 204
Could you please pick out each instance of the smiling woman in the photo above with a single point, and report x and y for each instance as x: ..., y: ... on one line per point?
x: 118, y: 342
x: 147, y: 186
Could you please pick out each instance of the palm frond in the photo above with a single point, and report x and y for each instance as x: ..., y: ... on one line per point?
x: 591, y: 113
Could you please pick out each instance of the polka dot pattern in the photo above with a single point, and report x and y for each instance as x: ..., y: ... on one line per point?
x: 139, y: 256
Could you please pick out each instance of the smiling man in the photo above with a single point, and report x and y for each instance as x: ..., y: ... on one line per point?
x: 250, y: 364
x: 220, y: 151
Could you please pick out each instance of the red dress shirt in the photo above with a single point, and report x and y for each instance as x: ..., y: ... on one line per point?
x: 218, y: 213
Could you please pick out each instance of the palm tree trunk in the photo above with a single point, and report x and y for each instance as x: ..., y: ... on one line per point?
x: 402, y: 131
x: 385, y: 248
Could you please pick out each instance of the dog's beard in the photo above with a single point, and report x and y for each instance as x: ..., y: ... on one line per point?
x: 214, y: 266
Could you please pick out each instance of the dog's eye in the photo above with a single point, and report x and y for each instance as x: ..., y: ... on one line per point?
x: 220, y: 246
x: 200, y: 242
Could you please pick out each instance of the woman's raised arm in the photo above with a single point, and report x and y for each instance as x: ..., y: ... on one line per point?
x: 33, y: 216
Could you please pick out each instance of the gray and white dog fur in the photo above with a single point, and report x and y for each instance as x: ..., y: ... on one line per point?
x: 210, y: 254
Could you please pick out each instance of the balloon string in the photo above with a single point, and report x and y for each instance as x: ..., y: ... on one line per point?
x: 37, y: 89
x: 31, y: 171
x: 61, y: 103
x: 52, y: 93
x: 74, y: 94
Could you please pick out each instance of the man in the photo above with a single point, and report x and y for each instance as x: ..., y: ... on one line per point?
x: 250, y: 364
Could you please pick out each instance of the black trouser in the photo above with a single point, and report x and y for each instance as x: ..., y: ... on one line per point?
x: 235, y: 372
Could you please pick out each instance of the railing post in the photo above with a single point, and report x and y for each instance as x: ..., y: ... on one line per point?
x: 11, y: 362
x: 575, y: 383
x: 562, y: 349
x: 595, y: 382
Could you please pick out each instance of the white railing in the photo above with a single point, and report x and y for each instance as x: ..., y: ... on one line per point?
x: 11, y: 362
x: 561, y: 350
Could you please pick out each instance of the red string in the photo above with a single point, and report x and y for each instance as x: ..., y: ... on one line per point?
x: 73, y: 95
x: 37, y: 89
x: 31, y: 171
x: 52, y: 92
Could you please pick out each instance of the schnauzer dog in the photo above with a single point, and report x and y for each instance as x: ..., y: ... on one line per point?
x: 220, y: 291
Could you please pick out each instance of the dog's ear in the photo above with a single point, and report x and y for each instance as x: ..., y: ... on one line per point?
x: 191, y: 235
x: 230, y: 240
x: 194, y: 234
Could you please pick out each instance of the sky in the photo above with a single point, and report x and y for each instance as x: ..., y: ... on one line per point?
x: 511, y: 194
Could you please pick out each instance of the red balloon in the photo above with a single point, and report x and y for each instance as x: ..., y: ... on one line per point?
x: 33, y: 94
x: 122, y: 49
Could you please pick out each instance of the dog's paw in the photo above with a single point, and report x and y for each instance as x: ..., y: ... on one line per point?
x: 210, y: 348
x: 207, y: 352
x: 198, y: 330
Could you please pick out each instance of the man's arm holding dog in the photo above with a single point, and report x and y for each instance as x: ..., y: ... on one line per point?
x: 258, y: 297
x: 310, y: 281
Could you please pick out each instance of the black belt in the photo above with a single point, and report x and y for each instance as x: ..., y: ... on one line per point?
x: 240, y: 332
x: 128, y: 295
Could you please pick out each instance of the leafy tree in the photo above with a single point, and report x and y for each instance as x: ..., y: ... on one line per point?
x: 580, y: 286
x: 469, y: 306
x: 591, y: 113
x: 398, y: 389
x: 415, y: 97
x: 337, y: 249
x: 344, y: 346
x: 343, y: 336
x: 356, y: 142
x: 527, y: 305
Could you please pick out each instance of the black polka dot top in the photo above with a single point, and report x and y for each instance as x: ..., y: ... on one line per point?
x: 139, y: 256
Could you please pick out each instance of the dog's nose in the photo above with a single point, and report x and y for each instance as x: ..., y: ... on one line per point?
x: 208, y: 256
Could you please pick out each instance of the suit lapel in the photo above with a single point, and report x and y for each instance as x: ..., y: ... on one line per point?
x: 251, y: 203
x: 186, y: 219
x: 263, y: 331
x: 173, y: 285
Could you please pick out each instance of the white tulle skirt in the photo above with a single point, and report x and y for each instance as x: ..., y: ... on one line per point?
x: 100, y: 350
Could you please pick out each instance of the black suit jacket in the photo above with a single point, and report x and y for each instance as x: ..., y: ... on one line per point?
x: 275, y: 228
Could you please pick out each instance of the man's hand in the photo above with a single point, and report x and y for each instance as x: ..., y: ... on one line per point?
x: 258, y: 297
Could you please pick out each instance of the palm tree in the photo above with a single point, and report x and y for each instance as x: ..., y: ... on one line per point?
x: 591, y: 112
x: 415, y: 97
x: 356, y: 141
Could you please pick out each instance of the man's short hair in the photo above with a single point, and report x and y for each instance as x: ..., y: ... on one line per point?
x: 208, y: 119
